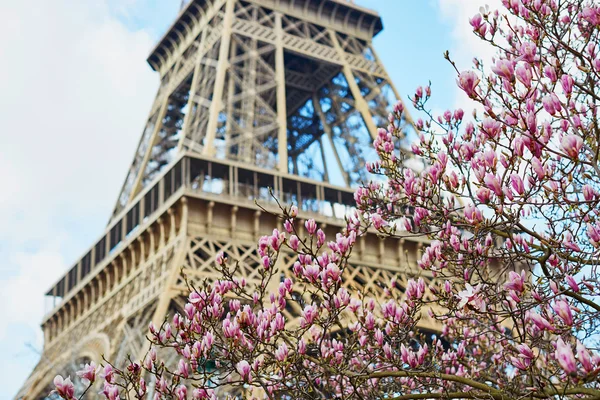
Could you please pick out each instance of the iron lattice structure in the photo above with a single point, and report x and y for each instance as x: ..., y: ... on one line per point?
x: 254, y: 94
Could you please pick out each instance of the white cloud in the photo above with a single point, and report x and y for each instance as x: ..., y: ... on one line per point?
x: 75, y: 92
x: 466, y: 44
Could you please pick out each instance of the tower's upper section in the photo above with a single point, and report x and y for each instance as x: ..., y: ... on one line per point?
x: 341, y: 15
x: 290, y: 85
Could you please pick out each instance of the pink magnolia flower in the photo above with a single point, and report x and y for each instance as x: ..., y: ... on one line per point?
x: 519, y: 146
x: 515, y: 281
x: 563, y: 310
x: 593, y: 232
x: 483, y: 195
x: 243, y: 368
x: 202, y: 394
x: 572, y: 283
x: 493, y: 183
x: 415, y: 289
x: 398, y: 107
x: 288, y: 226
x: 589, y: 193
x: 406, y: 224
x: 584, y: 358
x: 468, y: 81
x: 148, y: 363
x: 471, y: 296
x: 143, y: 389
x: 572, y: 144
x: 64, y: 387
x: 525, y: 351
x: 538, y: 167
x: 458, y: 114
x: 333, y: 272
x: 181, y: 392
x: 569, y: 243
x: 311, y: 272
x: 505, y: 69
x: 419, y: 92
x: 567, y: 84
x: 591, y: 15
x: 320, y: 237
x: 539, y: 321
x: 220, y: 258
x: 565, y: 358
x: 266, y: 262
x: 473, y: 214
x: 183, y: 368
x: 88, y: 372
x: 282, y: 352
x: 294, y: 242
x: 517, y: 183
x: 522, y: 363
x: 491, y: 127
x: 378, y: 222
x: 111, y: 392
x: 387, y: 351
x: 476, y: 21
x: 309, y: 314
x: 302, y: 346
x: 108, y: 373
x: 549, y: 105
x: 161, y: 385
x: 193, y: 298
x: 524, y: 75
x: 550, y: 73
x: 528, y: 51
x: 311, y: 226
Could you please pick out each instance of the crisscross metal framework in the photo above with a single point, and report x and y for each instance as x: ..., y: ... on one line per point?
x: 291, y: 85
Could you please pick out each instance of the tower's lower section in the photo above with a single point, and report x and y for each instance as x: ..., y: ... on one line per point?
x: 210, y: 209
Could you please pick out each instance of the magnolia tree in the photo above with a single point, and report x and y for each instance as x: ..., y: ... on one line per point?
x: 509, y: 201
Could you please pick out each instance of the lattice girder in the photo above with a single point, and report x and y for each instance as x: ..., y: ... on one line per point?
x: 235, y: 80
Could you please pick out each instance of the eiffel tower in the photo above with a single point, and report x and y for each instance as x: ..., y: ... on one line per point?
x: 254, y: 95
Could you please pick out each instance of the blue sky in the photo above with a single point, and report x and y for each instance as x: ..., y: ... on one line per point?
x: 75, y: 94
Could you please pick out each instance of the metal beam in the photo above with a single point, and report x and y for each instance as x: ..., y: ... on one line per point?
x: 217, y: 101
x: 282, y: 148
x: 359, y: 101
x: 191, y: 98
x: 329, y: 135
x: 140, y: 175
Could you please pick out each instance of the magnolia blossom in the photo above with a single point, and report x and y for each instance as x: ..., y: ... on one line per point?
x: 110, y: 391
x: 516, y: 281
x: 564, y: 356
x: 64, y: 387
x: 504, y: 69
x: 468, y: 81
x: 88, y: 372
x: 563, y: 310
x: 243, y: 368
x: 471, y: 296
x: 585, y: 359
x: 571, y: 144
